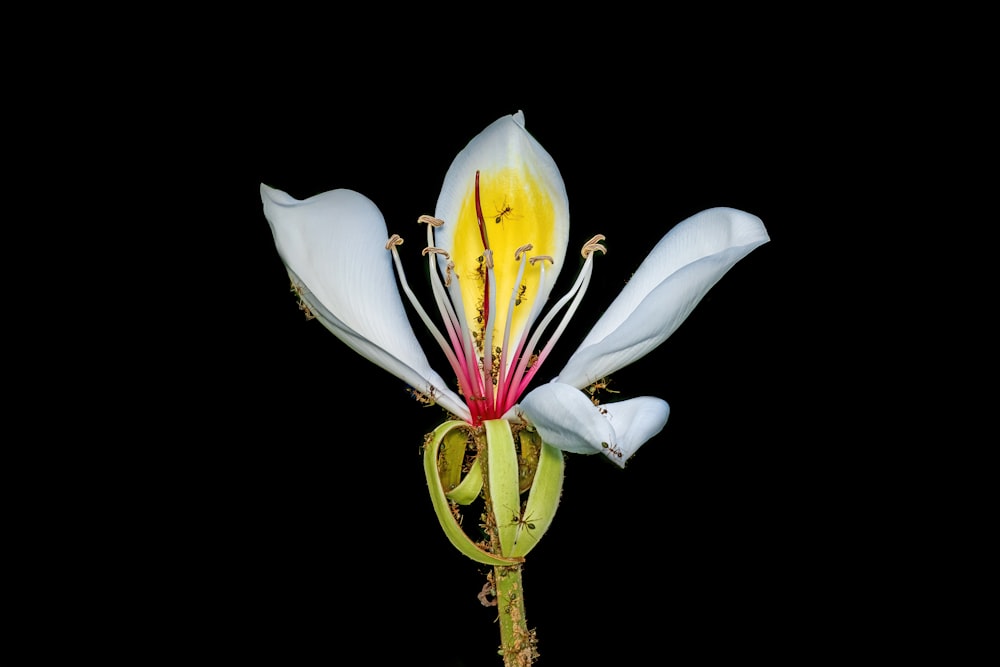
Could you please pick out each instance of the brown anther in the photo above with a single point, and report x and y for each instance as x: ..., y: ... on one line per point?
x: 449, y: 267
x: 488, y: 258
x: 395, y: 239
x: 593, y: 245
x: 539, y: 258
x: 520, y: 251
x: 436, y: 251
x: 430, y: 220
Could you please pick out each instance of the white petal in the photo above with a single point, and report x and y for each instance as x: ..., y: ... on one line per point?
x: 505, y: 147
x: 635, y: 421
x: 565, y: 418
x: 334, y: 243
x: 669, y: 283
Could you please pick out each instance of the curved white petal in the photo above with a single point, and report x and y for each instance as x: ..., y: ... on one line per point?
x: 523, y: 201
x: 333, y: 244
x: 565, y: 418
x: 669, y: 283
x: 635, y: 421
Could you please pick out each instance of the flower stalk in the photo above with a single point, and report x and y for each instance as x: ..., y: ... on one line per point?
x: 501, y: 488
x: 517, y: 642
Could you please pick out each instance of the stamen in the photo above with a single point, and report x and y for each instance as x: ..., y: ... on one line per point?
x: 538, y: 258
x: 524, y: 373
x: 448, y: 297
x: 468, y: 345
x: 503, y: 382
x: 593, y: 245
x: 431, y: 220
x: 456, y: 364
x: 436, y: 251
x: 488, y: 258
x: 521, y: 358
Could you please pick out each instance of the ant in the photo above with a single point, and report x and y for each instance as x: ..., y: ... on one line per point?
x: 615, y: 451
x: 297, y: 290
x: 600, y: 385
x: 522, y: 522
x: 520, y: 295
x: 426, y: 400
x: 502, y: 212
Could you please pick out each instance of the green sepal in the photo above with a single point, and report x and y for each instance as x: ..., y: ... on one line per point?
x: 462, y: 490
x: 470, y: 486
x: 451, y: 456
x: 543, y: 499
x: 501, y: 470
x: 449, y: 524
x: 529, y: 449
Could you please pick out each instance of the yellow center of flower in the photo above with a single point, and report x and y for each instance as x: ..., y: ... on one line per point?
x: 517, y: 210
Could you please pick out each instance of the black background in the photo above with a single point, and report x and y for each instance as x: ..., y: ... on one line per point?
x: 235, y: 485
x: 707, y: 539
x: 307, y: 529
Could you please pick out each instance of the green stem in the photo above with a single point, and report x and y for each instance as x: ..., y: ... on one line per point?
x: 517, y: 642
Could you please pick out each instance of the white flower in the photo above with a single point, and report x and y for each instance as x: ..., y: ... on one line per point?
x: 495, y: 247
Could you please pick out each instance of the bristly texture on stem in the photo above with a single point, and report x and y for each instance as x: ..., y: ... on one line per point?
x: 517, y: 642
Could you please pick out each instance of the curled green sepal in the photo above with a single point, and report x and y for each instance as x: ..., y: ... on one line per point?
x: 503, y: 481
x: 543, y: 499
x: 461, y: 489
x: 470, y: 486
x: 447, y: 520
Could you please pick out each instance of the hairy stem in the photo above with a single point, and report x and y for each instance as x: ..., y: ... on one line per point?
x: 517, y: 642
